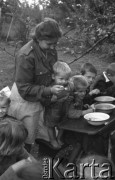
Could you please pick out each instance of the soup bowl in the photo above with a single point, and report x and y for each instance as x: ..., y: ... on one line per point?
x: 105, y: 99
x: 97, y: 118
x: 104, y: 107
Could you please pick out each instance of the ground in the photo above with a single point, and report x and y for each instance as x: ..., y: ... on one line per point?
x: 7, y: 67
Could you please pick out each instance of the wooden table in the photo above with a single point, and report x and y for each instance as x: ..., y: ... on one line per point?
x: 82, y: 126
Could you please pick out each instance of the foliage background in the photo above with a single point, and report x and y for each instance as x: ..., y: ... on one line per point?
x: 84, y: 23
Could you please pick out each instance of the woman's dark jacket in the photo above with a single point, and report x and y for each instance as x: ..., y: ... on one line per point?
x: 33, y: 71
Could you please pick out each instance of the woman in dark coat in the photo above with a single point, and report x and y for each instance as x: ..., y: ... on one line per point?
x: 33, y: 77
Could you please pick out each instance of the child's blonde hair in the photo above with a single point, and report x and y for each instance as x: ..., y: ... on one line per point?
x: 12, y: 136
x: 79, y: 80
x: 88, y: 67
x: 4, y: 99
x: 61, y: 67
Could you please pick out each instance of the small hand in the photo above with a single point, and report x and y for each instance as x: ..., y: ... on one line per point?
x: 54, y: 98
x: 89, y: 110
x: 95, y: 91
x: 86, y: 106
x: 93, y: 107
x: 57, y: 89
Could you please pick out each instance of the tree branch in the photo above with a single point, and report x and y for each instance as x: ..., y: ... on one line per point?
x: 90, y: 49
x: 68, y: 31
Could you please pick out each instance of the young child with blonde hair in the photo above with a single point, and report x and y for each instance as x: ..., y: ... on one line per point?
x: 52, y: 116
x: 4, y: 104
x: 75, y: 106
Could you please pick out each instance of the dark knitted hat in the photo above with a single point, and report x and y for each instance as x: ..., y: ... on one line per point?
x: 47, y: 30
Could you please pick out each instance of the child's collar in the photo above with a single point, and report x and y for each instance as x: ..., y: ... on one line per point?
x: 106, y: 78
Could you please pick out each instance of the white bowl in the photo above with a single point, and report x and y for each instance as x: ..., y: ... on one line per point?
x: 102, y: 99
x: 104, y: 107
x: 97, y: 118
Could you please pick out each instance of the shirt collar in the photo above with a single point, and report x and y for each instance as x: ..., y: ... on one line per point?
x: 106, y: 78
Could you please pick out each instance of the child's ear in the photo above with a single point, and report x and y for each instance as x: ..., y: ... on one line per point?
x: 53, y: 76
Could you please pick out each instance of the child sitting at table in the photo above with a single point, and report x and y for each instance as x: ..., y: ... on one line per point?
x: 105, y: 82
x: 90, y: 72
x: 73, y: 108
x: 74, y: 105
x: 53, y: 104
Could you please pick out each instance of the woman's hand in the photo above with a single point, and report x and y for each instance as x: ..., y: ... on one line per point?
x: 57, y: 89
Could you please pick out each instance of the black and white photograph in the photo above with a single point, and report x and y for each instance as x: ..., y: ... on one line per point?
x: 57, y: 89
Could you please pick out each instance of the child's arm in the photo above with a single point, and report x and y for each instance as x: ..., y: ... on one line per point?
x: 73, y: 112
x: 87, y: 111
x: 24, y: 155
x: 94, y: 92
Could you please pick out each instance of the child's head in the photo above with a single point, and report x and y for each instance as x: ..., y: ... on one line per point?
x: 4, y: 103
x: 89, y: 71
x: 61, y: 73
x: 110, y: 72
x: 12, y: 136
x: 80, y: 85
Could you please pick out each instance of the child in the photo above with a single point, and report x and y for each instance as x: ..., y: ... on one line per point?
x: 4, y: 104
x: 75, y: 108
x: 90, y: 72
x: 12, y: 137
x: 105, y: 82
x: 60, y: 76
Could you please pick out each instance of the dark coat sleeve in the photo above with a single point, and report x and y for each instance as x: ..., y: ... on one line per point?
x: 25, y: 74
x: 110, y: 91
x: 101, y: 84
